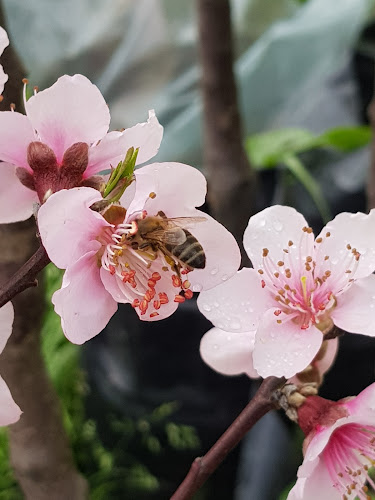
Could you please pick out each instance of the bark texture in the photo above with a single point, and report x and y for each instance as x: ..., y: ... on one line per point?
x: 231, y: 181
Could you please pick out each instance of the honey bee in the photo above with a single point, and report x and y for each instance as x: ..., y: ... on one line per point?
x: 170, y: 237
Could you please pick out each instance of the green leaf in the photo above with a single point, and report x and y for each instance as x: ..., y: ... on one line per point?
x: 346, y: 138
x: 267, y: 149
x: 312, y: 187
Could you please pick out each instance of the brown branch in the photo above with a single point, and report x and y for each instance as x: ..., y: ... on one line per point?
x: 231, y: 180
x: 25, y: 277
x: 203, y: 467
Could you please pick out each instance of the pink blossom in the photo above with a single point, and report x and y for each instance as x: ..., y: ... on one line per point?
x: 9, y: 410
x: 107, y: 260
x: 4, y: 42
x: 62, y: 142
x: 339, y: 448
x: 299, y: 288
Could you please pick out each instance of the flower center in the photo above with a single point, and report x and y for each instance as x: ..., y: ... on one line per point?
x: 348, y: 457
x: 302, y: 289
x: 143, y: 273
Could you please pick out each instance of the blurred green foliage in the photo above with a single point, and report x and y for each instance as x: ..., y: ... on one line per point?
x: 112, y: 473
x: 280, y: 148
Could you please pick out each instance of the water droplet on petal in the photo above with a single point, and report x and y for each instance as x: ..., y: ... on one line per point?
x: 197, y: 288
x: 224, y: 277
x: 214, y: 271
x: 215, y: 346
x: 206, y: 307
x: 229, y: 338
x: 262, y: 222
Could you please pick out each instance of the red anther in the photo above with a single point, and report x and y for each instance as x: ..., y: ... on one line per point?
x: 143, y: 214
x: 143, y: 306
x: 277, y: 312
x: 179, y: 298
x: 155, y: 276
x: 156, y: 304
x: 321, y: 307
x: 304, y: 326
x: 112, y: 269
x: 163, y: 298
x: 176, y: 281
x: 188, y: 294
x: 134, y: 227
x: 151, y: 283
x: 263, y: 283
x: 135, y: 303
x: 152, y: 315
x: 131, y: 273
x: 150, y: 294
x: 186, y: 284
x: 132, y: 282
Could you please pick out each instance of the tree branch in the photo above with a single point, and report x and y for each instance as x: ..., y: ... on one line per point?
x: 25, y: 277
x: 203, y: 467
x: 231, y: 180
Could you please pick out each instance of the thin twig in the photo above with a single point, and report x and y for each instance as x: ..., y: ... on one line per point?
x: 203, y: 467
x: 25, y: 277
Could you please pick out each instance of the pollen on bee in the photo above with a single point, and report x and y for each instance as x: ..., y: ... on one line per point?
x: 134, y: 227
x: 152, y: 195
x: 179, y: 298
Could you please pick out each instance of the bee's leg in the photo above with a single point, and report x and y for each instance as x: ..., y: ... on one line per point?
x: 161, y: 214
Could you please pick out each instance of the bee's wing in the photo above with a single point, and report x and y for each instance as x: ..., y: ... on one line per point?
x: 186, y: 221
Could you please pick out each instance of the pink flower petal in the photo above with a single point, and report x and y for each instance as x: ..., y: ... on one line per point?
x: 355, y: 310
x: 84, y: 305
x: 16, y: 135
x: 4, y: 40
x: 9, y: 410
x: 318, y: 485
x: 68, y: 226
x: 126, y: 294
x: 363, y: 404
x: 113, y: 147
x: 223, y: 256
x: 16, y: 200
x: 72, y: 110
x: 178, y: 188
x: 345, y: 229
x: 273, y: 228
x: 284, y: 349
x: 6, y: 323
x: 229, y: 353
x: 236, y: 305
